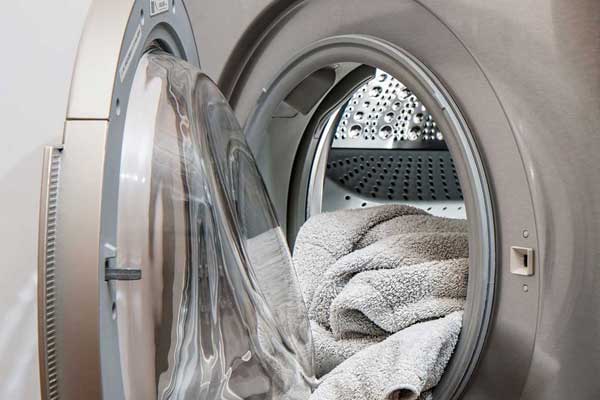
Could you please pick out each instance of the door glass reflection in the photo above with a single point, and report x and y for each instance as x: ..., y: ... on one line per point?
x: 218, y: 313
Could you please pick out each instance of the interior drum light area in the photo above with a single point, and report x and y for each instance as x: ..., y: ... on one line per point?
x: 387, y: 148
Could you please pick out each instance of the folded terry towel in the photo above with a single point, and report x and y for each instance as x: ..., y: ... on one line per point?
x: 330, y: 352
x: 327, y: 237
x: 392, y: 300
x: 417, y: 223
x: 403, y: 366
x: 389, y: 253
x: 368, y: 273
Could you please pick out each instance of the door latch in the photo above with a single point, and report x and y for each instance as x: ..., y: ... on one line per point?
x: 114, y: 273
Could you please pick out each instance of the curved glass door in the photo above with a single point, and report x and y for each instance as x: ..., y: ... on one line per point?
x: 218, y: 313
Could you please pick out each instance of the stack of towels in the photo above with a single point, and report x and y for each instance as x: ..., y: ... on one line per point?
x: 384, y: 288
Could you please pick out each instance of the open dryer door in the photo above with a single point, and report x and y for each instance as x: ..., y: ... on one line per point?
x: 206, y: 300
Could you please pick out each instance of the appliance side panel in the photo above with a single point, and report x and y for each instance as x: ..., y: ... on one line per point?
x: 39, y: 51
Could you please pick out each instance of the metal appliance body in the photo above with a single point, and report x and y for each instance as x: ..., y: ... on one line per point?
x: 525, y: 76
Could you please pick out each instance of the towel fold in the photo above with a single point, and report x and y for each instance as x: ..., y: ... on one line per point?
x: 327, y: 237
x: 402, y: 367
x: 417, y: 223
x: 391, y: 300
x: 330, y: 352
x: 370, y: 278
x: 389, y: 253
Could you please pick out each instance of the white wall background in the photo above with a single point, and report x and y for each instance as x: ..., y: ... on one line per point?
x: 39, y: 44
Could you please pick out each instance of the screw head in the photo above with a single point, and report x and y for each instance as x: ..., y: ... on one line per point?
x: 525, y: 288
x: 525, y: 233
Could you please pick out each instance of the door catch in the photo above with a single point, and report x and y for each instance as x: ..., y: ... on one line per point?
x: 113, y: 273
x: 122, y: 274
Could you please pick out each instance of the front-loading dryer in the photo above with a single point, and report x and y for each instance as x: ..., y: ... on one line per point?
x: 168, y: 209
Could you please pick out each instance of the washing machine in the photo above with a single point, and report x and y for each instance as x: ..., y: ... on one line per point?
x: 164, y: 154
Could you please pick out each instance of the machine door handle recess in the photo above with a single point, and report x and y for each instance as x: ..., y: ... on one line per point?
x: 521, y: 260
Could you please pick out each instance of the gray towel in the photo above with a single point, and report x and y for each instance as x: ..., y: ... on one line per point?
x: 402, y: 367
x: 391, y: 300
x: 412, y: 224
x: 330, y: 352
x: 389, y: 253
x: 368, y: 273
x: 327, y: 237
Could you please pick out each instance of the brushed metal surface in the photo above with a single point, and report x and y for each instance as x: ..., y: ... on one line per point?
x: 543, y: 60
x: 336, y: 197
x: 383, y: 113
x: 78, y: 259
x: 236, y: 26
x: 116, y: 34
x: 97, y: 59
